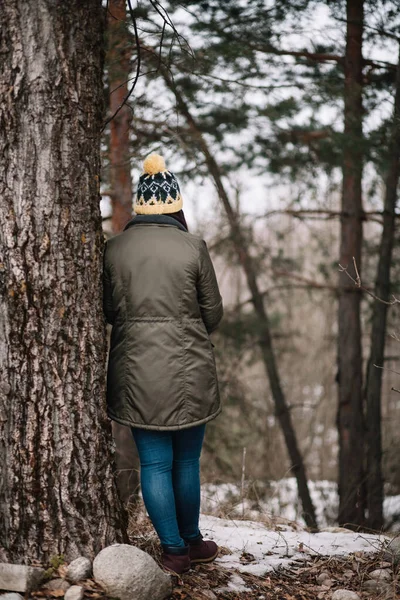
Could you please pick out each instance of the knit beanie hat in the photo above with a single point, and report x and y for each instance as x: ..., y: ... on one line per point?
x: 158, y: 191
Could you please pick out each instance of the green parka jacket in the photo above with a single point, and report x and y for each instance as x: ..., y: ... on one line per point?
x: 162, y: 298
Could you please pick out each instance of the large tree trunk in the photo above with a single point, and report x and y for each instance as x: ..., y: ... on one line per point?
x: 268, y: 355
x: 350, y: 405
x: 118, y: 60
x: 378, y: 333
x: 57, y: 493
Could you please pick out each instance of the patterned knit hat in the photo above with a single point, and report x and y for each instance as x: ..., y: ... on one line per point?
x: 158, y: 191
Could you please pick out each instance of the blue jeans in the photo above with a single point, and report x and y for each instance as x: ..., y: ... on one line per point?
x: 170, y: 480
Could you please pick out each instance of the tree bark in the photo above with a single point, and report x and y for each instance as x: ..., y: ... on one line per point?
x: 350, y: 405
x: 268, y: 355
x: 118, y: 59
x: 57, y: 493
x: 378, y: 333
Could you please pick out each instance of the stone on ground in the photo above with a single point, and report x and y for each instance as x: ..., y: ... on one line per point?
x: 75, y: 592
x: 322, y: 577
x: 127, y: 573
x: 345, y: 595
x: 11, y: 596
x: 392, y: 553
x: 78, y: 569
x: 381, y: 574
x: 57, y: 584
x: 19, y: 578
x: 373, y: 585
x: 208, y: 595
x: 348, y: 574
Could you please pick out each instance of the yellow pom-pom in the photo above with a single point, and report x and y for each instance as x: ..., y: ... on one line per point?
x: 153, y: 164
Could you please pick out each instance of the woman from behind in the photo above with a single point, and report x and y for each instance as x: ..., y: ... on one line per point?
x: 161, y: 296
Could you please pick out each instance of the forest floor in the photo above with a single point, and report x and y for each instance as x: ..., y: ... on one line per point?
x: 275, y: 561
x: 269, y: 559
x: 302, y: 581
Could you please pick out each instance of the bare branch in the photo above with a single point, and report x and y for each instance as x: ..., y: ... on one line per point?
x: 314, y: 214
x: 318, y: 56
x: 240, y: 82
x: 357, y: 282
x: 358, y: 278
x: 386, y: 369
x: 168, y: 21
x: 161, y: 44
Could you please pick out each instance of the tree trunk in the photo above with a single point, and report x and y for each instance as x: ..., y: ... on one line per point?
x: 350, y: 405
x: 245, y: 259
x: 118, y: 60
x: 57, y: 493
x: 378, y: 333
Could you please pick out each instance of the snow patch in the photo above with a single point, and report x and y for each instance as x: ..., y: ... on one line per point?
x: 255, y: 549
x: 235, y: 584
x: 280, y: 499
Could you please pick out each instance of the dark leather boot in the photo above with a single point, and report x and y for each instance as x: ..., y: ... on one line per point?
x: 176, y: 560
x: 202, y: 551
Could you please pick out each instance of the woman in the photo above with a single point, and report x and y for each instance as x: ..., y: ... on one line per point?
x: 162, y: 298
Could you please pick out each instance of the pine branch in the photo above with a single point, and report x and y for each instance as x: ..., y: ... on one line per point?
x: 318, y: 56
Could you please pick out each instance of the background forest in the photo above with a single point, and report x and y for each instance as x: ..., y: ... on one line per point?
x: 279, y: 120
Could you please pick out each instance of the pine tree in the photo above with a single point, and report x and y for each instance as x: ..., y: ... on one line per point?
x: 373, y: 388
x: 118, y: 60
x: 246, y: 90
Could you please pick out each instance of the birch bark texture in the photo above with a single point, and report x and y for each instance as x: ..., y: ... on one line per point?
x: 57, y: 493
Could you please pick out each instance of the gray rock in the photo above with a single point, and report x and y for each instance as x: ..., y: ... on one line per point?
x: 78, y: 569
x: 19, y: 578
x: 75, y: 592
x: 127, y: 573
x: 324, y: 576
x: 381, y: 574
x: 208, y: 595
x: 385, y: 564
x: 57, y: 584
x: 348, y: 574
x: 392, y: 553
x: 372, y: 585
x: 11, y: 596
x: 345, y: 595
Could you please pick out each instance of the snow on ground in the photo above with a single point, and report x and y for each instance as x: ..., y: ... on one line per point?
x: 256, y: 549
x: 391, y: 511
x: 280, y: 499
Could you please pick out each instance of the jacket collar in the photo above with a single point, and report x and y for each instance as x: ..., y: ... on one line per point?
x: 155, y: 220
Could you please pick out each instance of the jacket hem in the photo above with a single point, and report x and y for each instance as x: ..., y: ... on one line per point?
x: 165, y: 427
